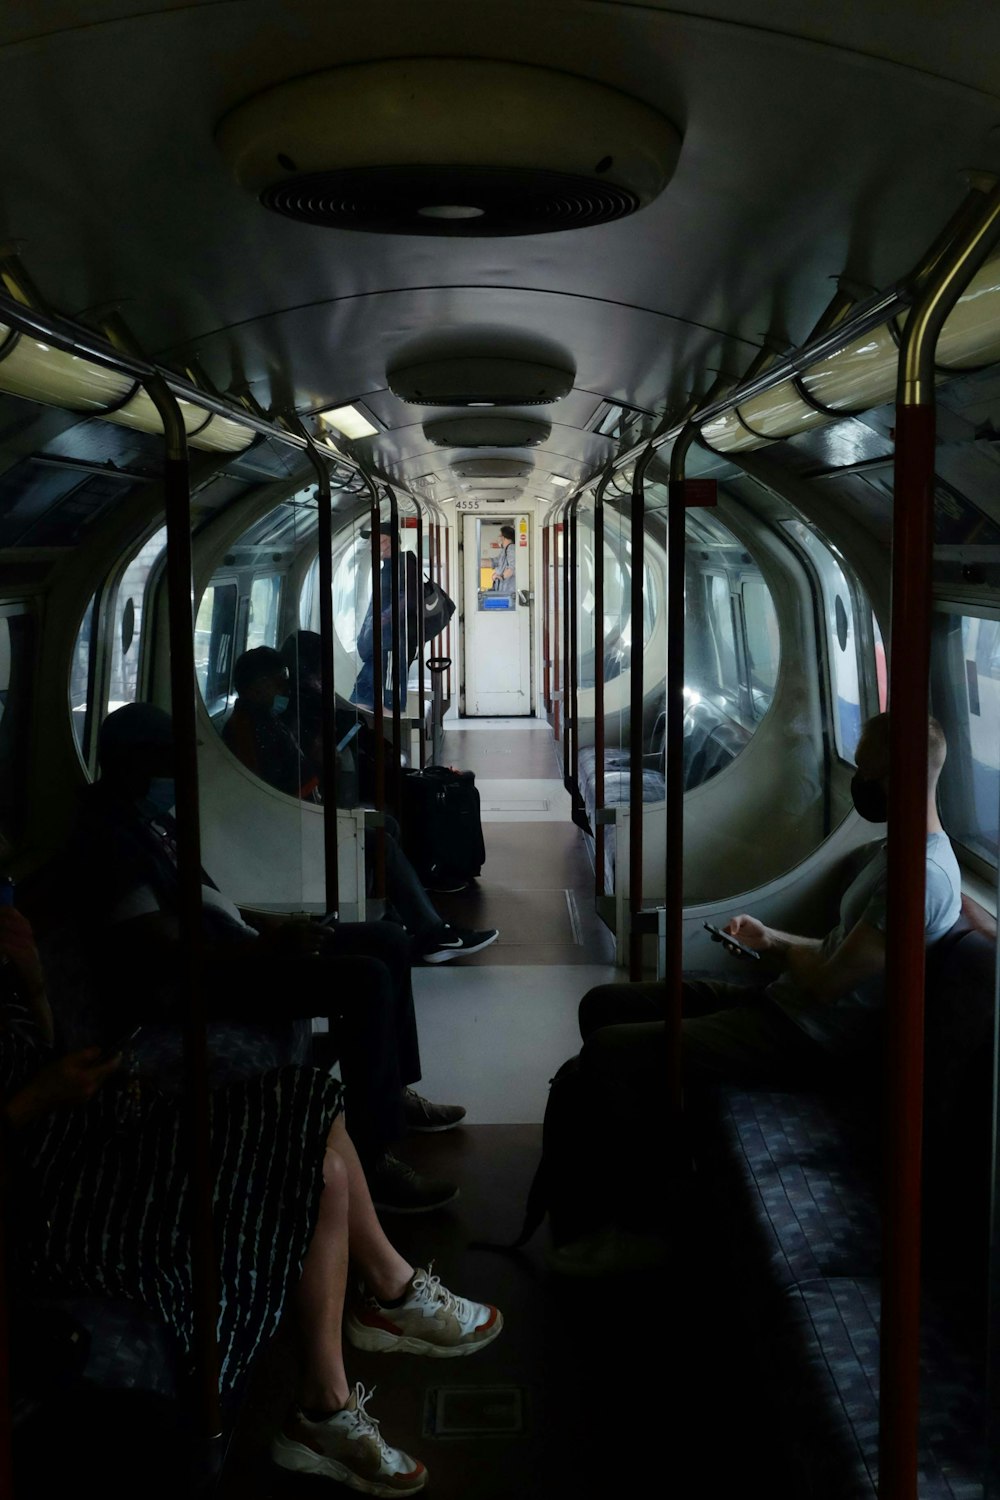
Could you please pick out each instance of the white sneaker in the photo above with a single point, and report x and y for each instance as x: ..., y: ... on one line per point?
x: 349, y: 1448
x: 432, y: 1321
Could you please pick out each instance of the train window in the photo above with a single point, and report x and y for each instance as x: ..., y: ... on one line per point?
x: 265, y: 598
x: 965, y: 692
x: 16, y: 640
x: 79, y: 677
x: 127, y: 616
x: 760, y: 624
x: 721, y: 635
x: 842, y: 637
x: 214, y: 633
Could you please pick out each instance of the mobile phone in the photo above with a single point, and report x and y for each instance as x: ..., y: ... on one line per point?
x: 118, y: 1044
x: 348, y: 737
x: 6, y: 891
x: 724, y: 937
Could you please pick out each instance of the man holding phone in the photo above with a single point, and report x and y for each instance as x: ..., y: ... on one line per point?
x: 820, y: 1016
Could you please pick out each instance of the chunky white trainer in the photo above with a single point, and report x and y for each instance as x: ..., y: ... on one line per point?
x: 432, y: 1321
x: 348, y: 1447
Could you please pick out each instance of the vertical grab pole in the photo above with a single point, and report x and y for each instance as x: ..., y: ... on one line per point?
x: 574, y: 651
x: 420, y: 635
x: 566, y: 688
x: 674, y: 741
x: 599, y: 737
x: 638, y: 531
x: 183, y: 688
x: 378, y: 678
x: 556, y: 666
x: 399, y: 653
x: 546, y: 642
x: 912, y: 556
x: 446, y: 573
x: 324, y: 538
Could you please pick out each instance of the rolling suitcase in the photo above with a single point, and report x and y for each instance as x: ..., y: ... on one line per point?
x: 442, y: 832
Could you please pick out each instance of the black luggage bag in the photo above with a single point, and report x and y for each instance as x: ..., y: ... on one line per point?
x: 442, y: 832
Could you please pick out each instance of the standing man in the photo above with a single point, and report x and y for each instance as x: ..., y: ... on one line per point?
x: 404, y: 615
x: 503, y: 568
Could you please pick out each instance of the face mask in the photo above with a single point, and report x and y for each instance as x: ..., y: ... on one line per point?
x: 160, y: 797
x: 279, y: 705
x: 869, y: 799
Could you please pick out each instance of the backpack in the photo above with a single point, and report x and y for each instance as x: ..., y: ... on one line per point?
x: 438, y: 609
x: 563, y: 1185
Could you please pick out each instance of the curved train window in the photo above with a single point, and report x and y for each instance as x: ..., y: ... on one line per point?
x: 262, y: 621
x: 115, y: 632
x: 127, y: 619
x: 617, y: 601
x: 214, y: 637
x: 79, y: 677
x: 763, y: 652
x: 842, y: 619
x: 16, y: 645
x: 965, y: 693
x: 731, y: 652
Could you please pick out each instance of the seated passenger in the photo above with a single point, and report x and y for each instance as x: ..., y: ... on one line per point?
x: 435, y: 941
x: 256, y: 731
x: 291, y: 1206
x: 818, y: 1021
x: 125, y: 853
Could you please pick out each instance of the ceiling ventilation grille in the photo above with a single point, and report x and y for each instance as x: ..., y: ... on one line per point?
x: 449, y: 146
x: 489, y: 201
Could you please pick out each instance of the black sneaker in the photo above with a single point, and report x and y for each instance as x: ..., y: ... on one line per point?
x: 397, y: 1189
x: 445, y: 885
x: 423, y: 1116
x: 457, y: 942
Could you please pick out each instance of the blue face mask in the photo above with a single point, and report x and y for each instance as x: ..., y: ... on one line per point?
x: 160, y: 797
x: 279, y: 705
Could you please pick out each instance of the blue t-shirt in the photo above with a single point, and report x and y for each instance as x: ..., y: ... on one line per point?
x: 841, y: 1023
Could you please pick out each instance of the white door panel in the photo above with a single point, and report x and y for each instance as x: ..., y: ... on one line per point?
x: 497, y: 622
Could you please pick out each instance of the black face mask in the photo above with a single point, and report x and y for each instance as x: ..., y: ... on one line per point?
x: 869, y: 799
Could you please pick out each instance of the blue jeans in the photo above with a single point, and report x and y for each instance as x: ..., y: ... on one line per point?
x: 364, y: 687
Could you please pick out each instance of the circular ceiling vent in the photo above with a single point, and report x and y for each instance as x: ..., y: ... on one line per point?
x: 486, y: 432
x: 487, y: 381
x: 449, y: 146
x: 492, y: 468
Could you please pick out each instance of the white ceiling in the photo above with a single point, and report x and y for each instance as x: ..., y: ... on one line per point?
x: 818, y: 139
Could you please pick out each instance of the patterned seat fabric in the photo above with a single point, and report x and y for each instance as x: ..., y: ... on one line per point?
x: 827, y: 1332
x: 795, y: 1177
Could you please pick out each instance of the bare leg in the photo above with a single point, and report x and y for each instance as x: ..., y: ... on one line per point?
x: 319, y: 1297
x: 385, y: 1271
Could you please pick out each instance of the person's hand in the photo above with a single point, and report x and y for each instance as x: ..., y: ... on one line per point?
x: 17, y: 946
x: 751, y: 933
x: 298, y: 939
x: 69, y: 1081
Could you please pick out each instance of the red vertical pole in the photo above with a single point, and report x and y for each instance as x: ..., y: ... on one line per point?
x: 546, y: 645
x: 599, y: 737
x: 421, y: 696
x: 573, y: 618
x: 556, y: 677
x: 674, y: 742
x: 378, y: 676
x: 955, y: 262
x: 638, y: 532
x: 912, y: 552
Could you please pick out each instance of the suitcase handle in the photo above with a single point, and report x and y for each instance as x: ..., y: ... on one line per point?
x: 438, y: 663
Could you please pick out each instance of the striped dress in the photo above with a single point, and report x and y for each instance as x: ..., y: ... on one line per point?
x: 102, y: 1193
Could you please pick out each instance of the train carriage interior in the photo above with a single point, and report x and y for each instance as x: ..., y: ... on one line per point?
x: 638, y: 367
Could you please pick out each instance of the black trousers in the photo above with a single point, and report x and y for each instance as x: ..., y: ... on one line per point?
x: 362, y: 985
x: 730, y: 1034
